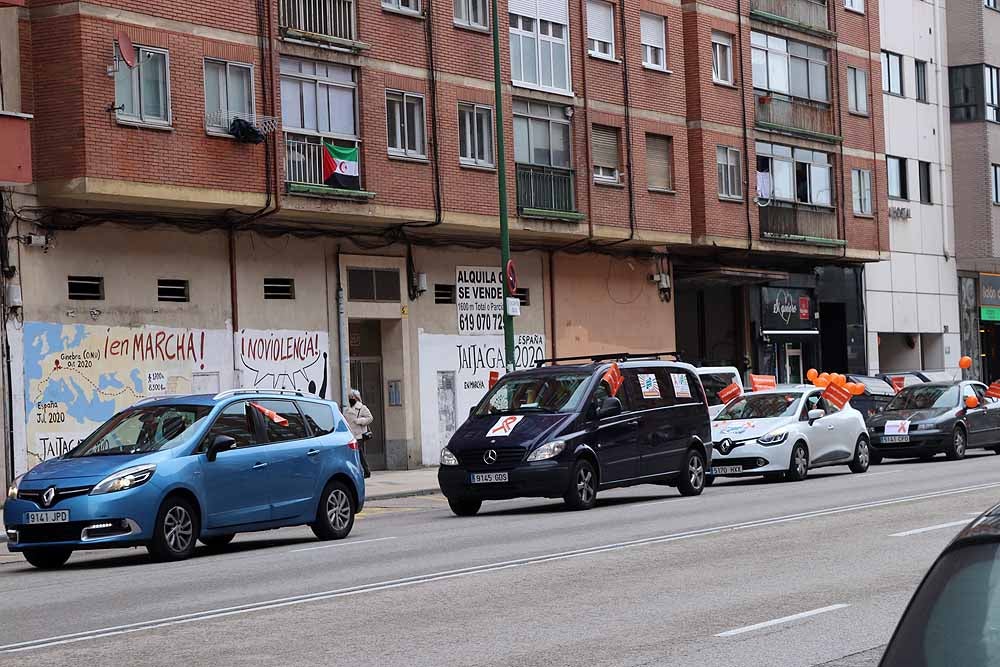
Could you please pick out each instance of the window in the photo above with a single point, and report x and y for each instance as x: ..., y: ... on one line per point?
x: 523, y: 294
x: 920, y: 75
x: 541, y: 134
x: 444, y: 293
x: 654, y: 40
x: 722, y: 57
x: 897, y: 177
x: 605, y: 152
x: 992, y: 93
x: 408, y: 6
x: 892, y: 73
x: 855, y: 5
x: 404, y: 121
x: 234, y: 421
x: 992, y: 4
x: 600, y: 29
x: 319, y: 417
x: 85, y: 288
x: 539, y: 53
x: 857, y: 90
x: 793, y: 68
x: 228, y: 94
x: 472, y: 13
x: 282, y: 420
x: 364, y: 284
x: 660, y: 162
x: 279, y: 288
x: 727, y: 160
x: 996, y: 184
x: 142, y: 93
x: 924, y: 174
x: 794, y: 175
x: 319, y: 98
x: 475, y: 135
x: 861, y: 187
x: 172, y: 290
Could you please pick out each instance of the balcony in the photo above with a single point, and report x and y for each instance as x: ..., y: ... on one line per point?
x: 781, y: 113
x: 806, y: 14
x: 799, y: 223
x: 304, y: 168
x: 319, y: 20
x: 546, y: 192
x: 15, y: 137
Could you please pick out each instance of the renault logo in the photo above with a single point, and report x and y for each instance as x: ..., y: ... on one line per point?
x: 490, y: 457
x: 48, y: 496
x: 726, y: 446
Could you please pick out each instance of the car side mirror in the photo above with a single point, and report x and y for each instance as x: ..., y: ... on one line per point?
x: 609, y: 407
x: 815, y: 414
x: 972, y: 402
x: 222, y: 443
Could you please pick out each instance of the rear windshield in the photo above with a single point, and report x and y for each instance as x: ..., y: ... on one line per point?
x: 923, y: 397
x: 555, y: 392
x: 761, y: 406
x: 714, y: 383
x: 875, y: 385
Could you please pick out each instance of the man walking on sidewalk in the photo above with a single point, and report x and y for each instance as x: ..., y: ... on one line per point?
x: 359, y: 419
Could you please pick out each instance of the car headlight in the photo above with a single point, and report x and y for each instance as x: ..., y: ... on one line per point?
x: 773, y: 438
x: 547, y: 451
x: 926, y: 426
x: 125, y: 479
x: 447, y: 458
x: 12, y: 489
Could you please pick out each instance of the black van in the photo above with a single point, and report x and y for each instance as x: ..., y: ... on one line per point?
x: 568, y: 431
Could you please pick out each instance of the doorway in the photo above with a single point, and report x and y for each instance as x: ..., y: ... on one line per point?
x: 793, y: 363
x: 833, y: 336
x: 366, y: 376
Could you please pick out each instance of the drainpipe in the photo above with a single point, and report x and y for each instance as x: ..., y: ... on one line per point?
x: 233, y: 298
x: 941, y: 74
x: 342, y: 337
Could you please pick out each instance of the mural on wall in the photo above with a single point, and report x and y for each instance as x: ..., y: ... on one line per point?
x: 78, y: 376
x: 455, y: 375
x: 284, y: 360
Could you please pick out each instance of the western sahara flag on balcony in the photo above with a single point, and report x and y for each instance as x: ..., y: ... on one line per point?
x: 340, y: 167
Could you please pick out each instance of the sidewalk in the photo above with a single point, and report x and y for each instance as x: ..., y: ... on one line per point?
x: 401, y: 483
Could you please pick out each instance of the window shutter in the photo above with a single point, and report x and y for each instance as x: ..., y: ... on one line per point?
x: 523, y: 7
x: 600, y: 21
x: 605, y: 144
x: 556, y: 11
x: 658, y: 162
x: 652, y: 30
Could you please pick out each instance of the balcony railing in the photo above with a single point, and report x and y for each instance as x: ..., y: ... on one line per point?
x: 325, y: 18
x: 799, y: 222
x: 804, y: 12
x: 304, y: 159
x: 780, y: 112
x: 545, y: 188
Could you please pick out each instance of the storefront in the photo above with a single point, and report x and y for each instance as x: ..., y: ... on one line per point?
x: 789, y: 341
x: 989, y: 325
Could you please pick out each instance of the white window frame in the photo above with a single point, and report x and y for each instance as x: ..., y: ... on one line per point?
x: 857, y: 90
x: 463, y: 14
x: 541, y: 35
x: 135, y: 82
x: 320, y: 81
x: 473, y: 159
x: 991, y: 92
x: 888, y: 59
x: 401, y: 130
x: 554, y: 115
x: 650, y: 49
x: 855, y: 6
x: 729, y: 187
x: 402, y: 6
x: 861, y: 189
x: 793, y: 158
x: 902, y: 177
x: 607, y: 174
x: 776, y: 53
x: 992, y: 4
x: 996, y: 183
x: 722, y: 52
x: 596, y: 45
x: 249, y: 115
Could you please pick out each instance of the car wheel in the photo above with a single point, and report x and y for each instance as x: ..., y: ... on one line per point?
x: 798, y: 465
x: 176, y: 531
x: 335, y: 513
x: 862, y: 455
x: 691, y: 481
x: 465, y: 506
x: 582, y: 491
x: 996, y: 450
x: 956, y: 450
x: 709, y: 480
x: 47, y: 559
x: 874, y: 457
x: 217, y: 541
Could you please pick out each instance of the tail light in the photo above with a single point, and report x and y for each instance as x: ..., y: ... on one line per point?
x: 353, y: 444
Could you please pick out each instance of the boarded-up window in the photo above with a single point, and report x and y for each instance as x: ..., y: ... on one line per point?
x: 659, y: 162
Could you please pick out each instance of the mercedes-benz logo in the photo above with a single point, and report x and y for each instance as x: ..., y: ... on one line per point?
x: 490, y: 457
x: 725, y: 446
x: 48, y: 496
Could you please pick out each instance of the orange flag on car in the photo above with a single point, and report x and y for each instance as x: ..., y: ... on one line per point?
x: 613, y: 376
x: 271, y: 414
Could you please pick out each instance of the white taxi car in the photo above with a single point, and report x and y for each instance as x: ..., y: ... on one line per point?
x: 785, y: 432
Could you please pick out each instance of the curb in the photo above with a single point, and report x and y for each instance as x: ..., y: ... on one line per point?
x: 403, y: 494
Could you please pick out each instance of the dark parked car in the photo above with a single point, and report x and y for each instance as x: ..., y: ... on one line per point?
x: 878, y: 393
x: 952, y: 618
x: 927, y: 419
x: 568, y: 431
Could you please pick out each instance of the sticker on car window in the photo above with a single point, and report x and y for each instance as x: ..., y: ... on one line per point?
x: 647, y: 382
x: 504, y: 426
x: 681, y: 387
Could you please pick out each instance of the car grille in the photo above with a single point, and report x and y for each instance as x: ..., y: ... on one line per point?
x: 53, y: 532
x: 473, y: 458
x: 35, y: 495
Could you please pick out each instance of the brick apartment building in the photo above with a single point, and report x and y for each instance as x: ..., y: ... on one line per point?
x: 703, y: 162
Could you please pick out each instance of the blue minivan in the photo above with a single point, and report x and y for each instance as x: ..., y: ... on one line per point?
x: 170, y: 471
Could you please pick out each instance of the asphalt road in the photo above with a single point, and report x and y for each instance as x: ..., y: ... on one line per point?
x: 750, y: 573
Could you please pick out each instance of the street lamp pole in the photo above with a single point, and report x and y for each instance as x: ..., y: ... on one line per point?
x: 501, y: 159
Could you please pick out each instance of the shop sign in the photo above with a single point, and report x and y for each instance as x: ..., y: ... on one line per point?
x: 989, y: 290
x: 787, y: 308
x: 479, y: 299
x: 988, y: 314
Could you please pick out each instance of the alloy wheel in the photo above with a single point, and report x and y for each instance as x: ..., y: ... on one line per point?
x: 585, y: 485
x: 178, y: 529
x: 338, y: 509
x: 863, y: 457
x: 801, y: 464
x: 696, y: 472
x: 959, y: 443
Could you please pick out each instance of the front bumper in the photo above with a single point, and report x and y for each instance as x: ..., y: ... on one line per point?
x: 922, y: 443
x: 754, y: 458
x: 542, y: 479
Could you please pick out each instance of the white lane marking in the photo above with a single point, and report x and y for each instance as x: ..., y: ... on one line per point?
x: 876, y: 474
x: 783, y: 619
x: 342, y: 544
x: 917, y: 531
x: 463, y: 572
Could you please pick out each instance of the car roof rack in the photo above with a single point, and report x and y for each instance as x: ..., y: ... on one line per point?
x: 615, y: 356
x: 244, y: 390
x: 157, y: 397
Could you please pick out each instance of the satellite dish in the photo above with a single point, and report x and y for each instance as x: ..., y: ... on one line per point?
x: 126, y: 49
